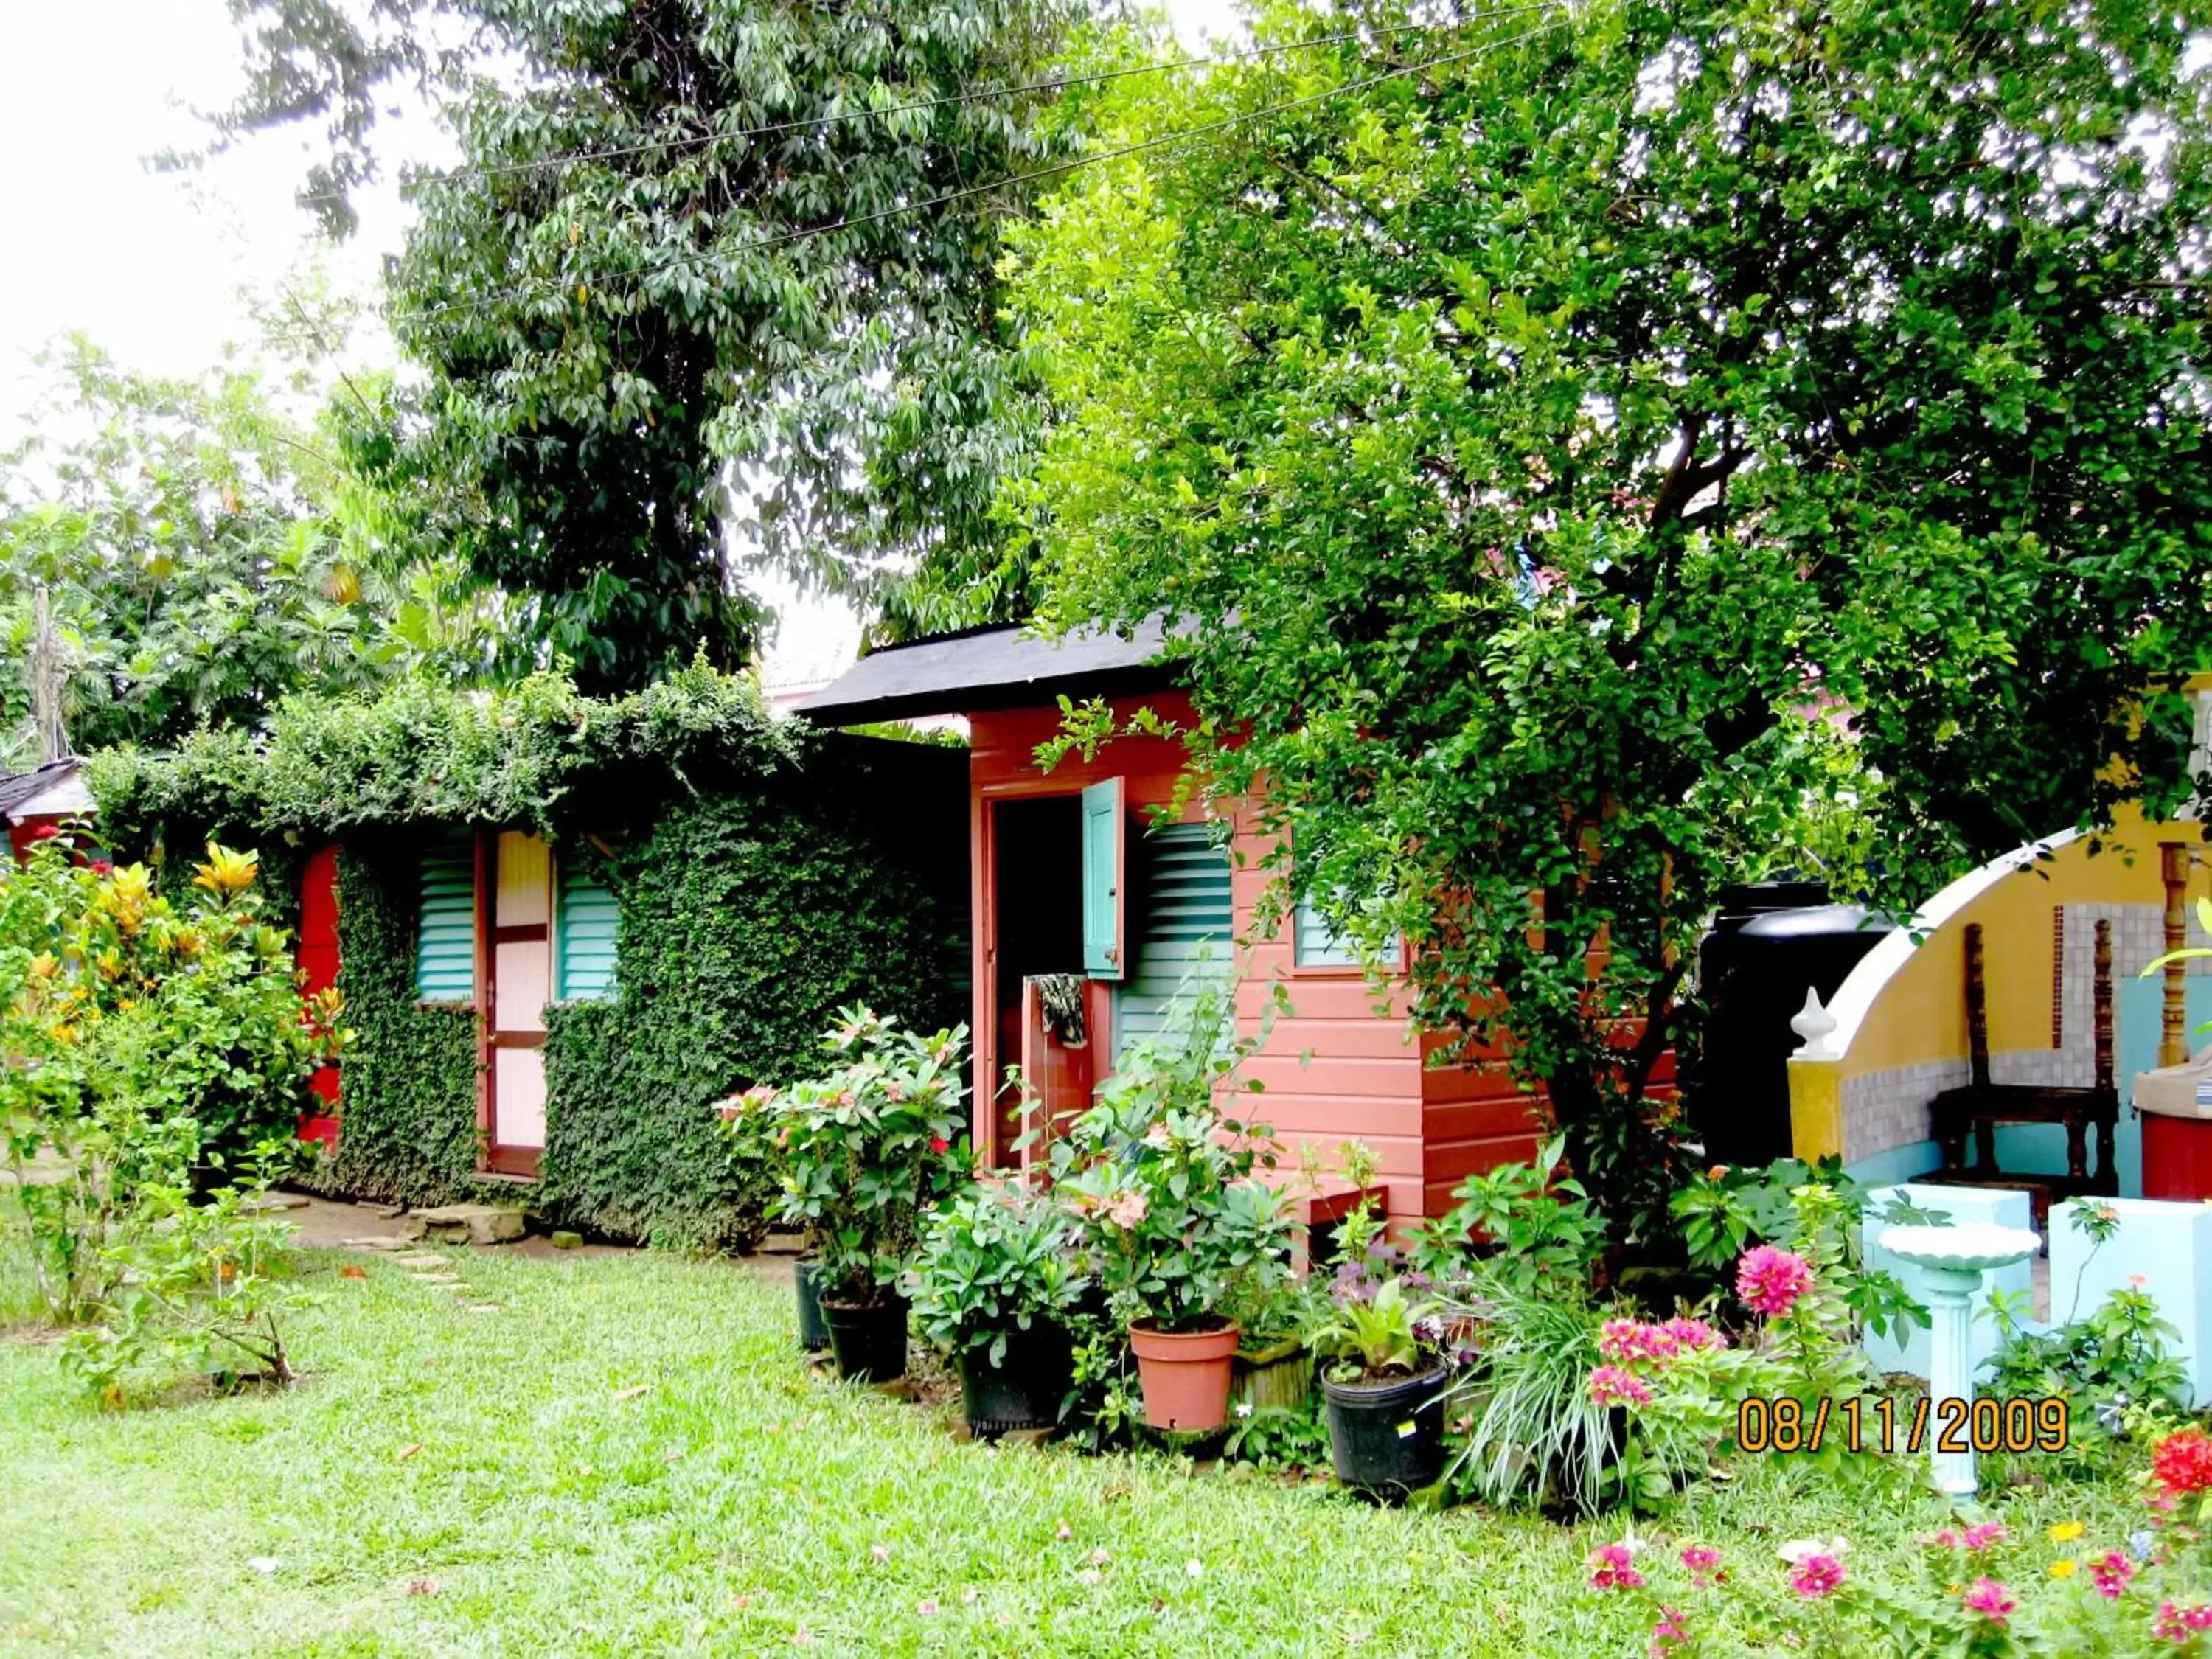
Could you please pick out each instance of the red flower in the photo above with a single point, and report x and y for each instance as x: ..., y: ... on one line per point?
x: 2183, y: 1462
x: 939, y: 1144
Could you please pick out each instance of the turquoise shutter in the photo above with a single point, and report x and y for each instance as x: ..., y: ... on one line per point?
x: 1102, y: 880
x: 584, y: 930
x: 1186, y: 919
x: 446, y: 940
x: 1318, y: 946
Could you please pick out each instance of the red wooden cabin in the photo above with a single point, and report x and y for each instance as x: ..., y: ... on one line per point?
x: 1074, y: 873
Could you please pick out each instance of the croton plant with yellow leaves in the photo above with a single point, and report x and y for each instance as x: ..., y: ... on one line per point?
x: 145, y: 1038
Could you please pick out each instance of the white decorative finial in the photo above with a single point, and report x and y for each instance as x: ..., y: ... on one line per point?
x: 1814, y: 1024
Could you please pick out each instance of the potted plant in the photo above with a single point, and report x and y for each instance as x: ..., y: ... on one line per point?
x: 750, y: 1118
x: 1384, y: 1368
x: 1164, y: 1187
x: 1000, y: 1274
x: 864, y: 1151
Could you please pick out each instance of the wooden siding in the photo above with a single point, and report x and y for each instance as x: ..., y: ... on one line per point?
x: 1345, y: 1063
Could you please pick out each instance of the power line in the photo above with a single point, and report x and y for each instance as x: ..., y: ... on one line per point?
x: 1058, y: 83
x: 550, y: 285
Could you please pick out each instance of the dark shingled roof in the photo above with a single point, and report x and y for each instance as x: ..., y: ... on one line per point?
x: 988, y: 668
x: 20, y: 786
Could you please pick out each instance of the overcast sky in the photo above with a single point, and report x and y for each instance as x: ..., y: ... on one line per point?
x: 150, y: 265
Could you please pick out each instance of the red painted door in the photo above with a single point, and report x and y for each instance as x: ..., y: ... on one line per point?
x: 318, y: 951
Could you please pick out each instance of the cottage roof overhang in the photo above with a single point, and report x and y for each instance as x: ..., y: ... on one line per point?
x: 990, y: 668
x: 53, y: 789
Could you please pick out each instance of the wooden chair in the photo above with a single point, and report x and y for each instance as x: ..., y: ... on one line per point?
x: 1981, y: 1105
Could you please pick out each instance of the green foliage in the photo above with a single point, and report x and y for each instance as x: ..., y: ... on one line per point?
x: 1534, y: 1227
x: 1585, y: 446
x: 746, y: 921
x: 758, y: 885
x: 693, y: 284
x: 525, y: 758
x: 994, y: 1259
x: 203, y: 553
x: 2112, y: 1363
x: 1373, y: 1338
x: 143, y: 1038
x: 195, y: 1289
x: 865, y: 1149
x: 1533, y: 1432
x: 1165, y: 1184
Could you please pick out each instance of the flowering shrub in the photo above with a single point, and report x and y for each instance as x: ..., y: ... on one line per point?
x: 1979, y: 1593
x: 862, y: 1151
x: 143, y: 1037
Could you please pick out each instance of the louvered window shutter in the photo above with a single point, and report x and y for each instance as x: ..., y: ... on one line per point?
x: 445, y: 942
x: 1182, y: 917
x: 585, y: 922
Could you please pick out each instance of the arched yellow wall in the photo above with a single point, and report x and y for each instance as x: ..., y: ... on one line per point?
x: 1920, y: 1015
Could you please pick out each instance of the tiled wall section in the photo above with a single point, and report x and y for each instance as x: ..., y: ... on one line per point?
x: 1887, y: 1110
x: 1884, y: 1110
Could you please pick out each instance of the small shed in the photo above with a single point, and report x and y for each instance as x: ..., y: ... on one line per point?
x: 1109, y: 869
x: 37, y: 803
x: 564, y: 926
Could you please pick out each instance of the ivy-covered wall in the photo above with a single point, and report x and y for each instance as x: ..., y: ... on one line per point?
x: 746, y: 921
x: 408, y: 1084
x: 765, y: 875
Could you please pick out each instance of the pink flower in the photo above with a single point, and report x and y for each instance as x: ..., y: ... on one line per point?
x: 1612, y: 1566
x: 1769, y: 1281
x: 1815, y: 1569
x: 1609, y: 1385
x: 2180, y: 1624
x: 1946, y: 1538
x: 1667, y: 1634
x: 1986, y: 1534
x: 1630, y: 1339
x: 1693, y: 1334
x: 1703, y: 1560
x: 2111, y: 1573
x: 1991, y: 1600
x: 1128, y: 1210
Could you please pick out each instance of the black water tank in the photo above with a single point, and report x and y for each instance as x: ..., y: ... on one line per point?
x: 1769, y: 941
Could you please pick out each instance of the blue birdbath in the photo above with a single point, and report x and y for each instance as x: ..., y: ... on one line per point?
x: 1954, y: 1260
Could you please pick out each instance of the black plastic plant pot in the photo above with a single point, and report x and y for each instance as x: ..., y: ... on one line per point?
x: 867, y: 1340
x: 1024, y: 1389
x: 1388, y: 1438
x: 813, y: 1334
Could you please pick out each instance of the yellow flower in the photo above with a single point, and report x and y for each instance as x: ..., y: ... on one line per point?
x: 2063, y: 1569
x: 2066, y: 1532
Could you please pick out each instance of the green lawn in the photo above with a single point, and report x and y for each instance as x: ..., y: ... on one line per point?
x: 736, y: 1502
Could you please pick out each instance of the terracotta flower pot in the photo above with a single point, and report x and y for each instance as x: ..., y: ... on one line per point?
x: 1185, y: 1375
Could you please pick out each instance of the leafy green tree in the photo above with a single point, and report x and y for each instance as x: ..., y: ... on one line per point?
x: 1585, y: 442
x: 203, y: 552
x: 708, y: 277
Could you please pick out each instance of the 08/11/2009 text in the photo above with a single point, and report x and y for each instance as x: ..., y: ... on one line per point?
x: 2024, y: 1423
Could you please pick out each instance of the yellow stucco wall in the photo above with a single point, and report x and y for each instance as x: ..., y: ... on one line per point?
x: 1921, y: 1014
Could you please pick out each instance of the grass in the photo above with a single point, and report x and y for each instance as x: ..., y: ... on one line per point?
x: 454, y: 1483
